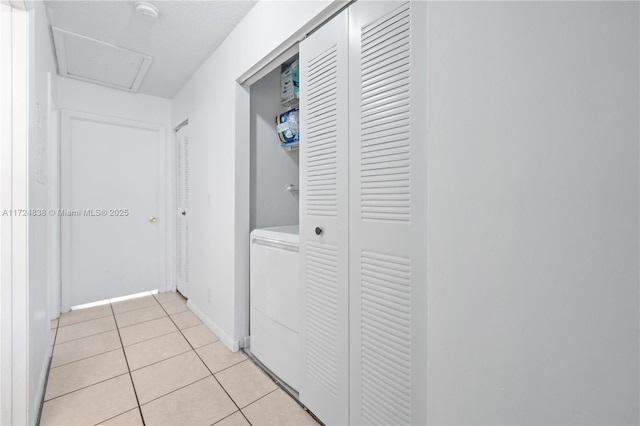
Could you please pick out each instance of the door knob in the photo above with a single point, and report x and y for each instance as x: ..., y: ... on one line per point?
x: 153, y: 219
x: 318, y: 230
x: 184, y: 213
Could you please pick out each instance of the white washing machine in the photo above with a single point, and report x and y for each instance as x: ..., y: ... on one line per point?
x: 274, y: 299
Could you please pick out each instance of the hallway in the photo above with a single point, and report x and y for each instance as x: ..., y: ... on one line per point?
x: 150, y: 360
x: 406, y: 212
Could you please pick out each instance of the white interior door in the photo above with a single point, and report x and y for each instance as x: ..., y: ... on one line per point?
x: 387, y: 177
x: 182, y: 139
x: 112, y: 230
x: 324, y: 222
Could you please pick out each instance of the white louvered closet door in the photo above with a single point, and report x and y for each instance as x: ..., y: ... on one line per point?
x: 324, y: 205
x: 182, y: 137
x: 387, y: 178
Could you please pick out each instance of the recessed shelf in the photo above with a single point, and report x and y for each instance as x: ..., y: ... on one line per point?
x: 292, y: 146
x: 293, y: 103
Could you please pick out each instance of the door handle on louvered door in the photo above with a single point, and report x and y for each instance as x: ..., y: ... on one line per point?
x: 318, y: 230
x: 184, y: 213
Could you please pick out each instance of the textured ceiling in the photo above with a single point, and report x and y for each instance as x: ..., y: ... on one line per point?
x: 183, y: 36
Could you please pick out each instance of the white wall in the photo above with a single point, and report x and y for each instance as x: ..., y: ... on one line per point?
x: 271, y: 166
x: 41, y: 62
x: 219, y: 235
x: 88, y: 97
x: 533, y: 213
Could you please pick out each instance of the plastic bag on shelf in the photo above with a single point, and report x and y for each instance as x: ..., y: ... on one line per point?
x: 287, y: 126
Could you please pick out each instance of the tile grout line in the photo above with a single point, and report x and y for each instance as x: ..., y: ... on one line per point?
x: 162, y: 360
x: 134, y: 309
x: 194, y: 326
x: 151, y: 338
x: 83, y: 359
x: 113, y: 313
x: 146, y: 340
x: 207, y: 367
x: 84, y: 337
x: 239, y: 411
x: 114, y: 329
x: 135, y: 323
x: 141, y: 322
x: 206, y: 344
x: 129, y: 371
x: 177, y: 313
x: 226, y: 368
x: 182, y: 353
x: 176, y: 389
x: 117, y: 415
x: 263, y: 396
x: 80, y: 322
x: 178, y: 297
x: 86, y: 387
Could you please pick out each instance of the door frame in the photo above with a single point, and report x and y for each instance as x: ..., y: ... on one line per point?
x: 66, y: 117
x: 16, y: 52
x: 243, y: 82
x: 176, y: 203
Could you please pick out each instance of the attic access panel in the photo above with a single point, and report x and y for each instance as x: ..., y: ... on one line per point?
x: 96, y: 61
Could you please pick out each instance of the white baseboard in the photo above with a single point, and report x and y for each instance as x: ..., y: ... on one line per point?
x: 35, y: 406
x: 245, y: 342
x: 229, y: 342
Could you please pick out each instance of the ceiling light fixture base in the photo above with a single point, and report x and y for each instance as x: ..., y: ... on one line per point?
x: 146, y: 9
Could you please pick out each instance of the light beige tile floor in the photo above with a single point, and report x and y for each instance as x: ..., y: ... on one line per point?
x: 151, y: 361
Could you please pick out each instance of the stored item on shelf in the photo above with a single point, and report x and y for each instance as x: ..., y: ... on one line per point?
x: 290, y: 83
x: 287, y: 126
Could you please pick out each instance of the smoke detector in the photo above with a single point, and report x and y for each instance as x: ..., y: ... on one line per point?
x: 147, y: 9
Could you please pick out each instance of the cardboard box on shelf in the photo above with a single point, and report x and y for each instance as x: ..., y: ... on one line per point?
x: 290, y: 83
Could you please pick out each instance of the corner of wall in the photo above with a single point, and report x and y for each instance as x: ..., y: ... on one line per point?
x: 232, y: 344
x: 42, y: 91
